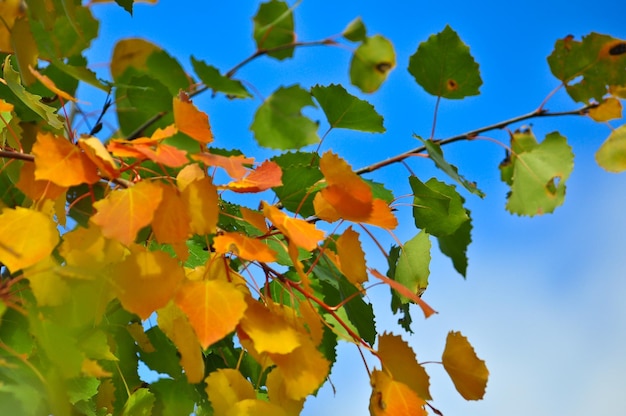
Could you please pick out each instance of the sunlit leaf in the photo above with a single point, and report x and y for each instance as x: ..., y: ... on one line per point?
x: 97, y: 153
x: 37, y: 189
x: 300, y: 232
x: 200, y: 197
x: 171, y: 220
x: 267, y: 175
x: 87, y: 248
x: 468, y: 372
x: 371, y: 63
x: 412, y: 270
x: 59, y: 161
x: 393, y: 398
x: 279, y: 122
x: 346, y: 111
x: 18, y: 247
x: 225, y: 387
x: 146, y: 280
x: 277, y: 391
x: 355, y: 31
x: 49, y: 84
x: 444, y: 67
x: 191, y: 121
x: 139, y: 403
x: 405, y: 292
x: 212, y: 78
x: 244, y: 247
x: 49, y: 288
x: 612, y: 154
x: 399, y: 360
x: 235, y: 166
x: 273, y: 28
x: 351, y: 257
x: 609, y: 109
x: 125, y: 211
x: 214, y: 308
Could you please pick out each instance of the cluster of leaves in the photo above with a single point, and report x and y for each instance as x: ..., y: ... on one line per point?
x: 98, y: 236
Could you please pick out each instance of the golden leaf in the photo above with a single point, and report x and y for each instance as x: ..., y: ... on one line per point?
x: 35, y: 189
x: 191, y: 121
x: 301, y: 233
x: 609, y: 109
x: 98, y: 154
x: 200, y: 197
x: 267, y: 175
x: 277, y: 391
x: 171, y: 221
x: 243, y: 246
x: 351, y: 257
x: 225, y: 387
x: 468, y: 372
x: 393, y: 398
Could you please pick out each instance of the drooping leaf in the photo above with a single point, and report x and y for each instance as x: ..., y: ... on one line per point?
x: 393, y: 398
x: 455, y: 246
x: 191, y: 121
x: 345, y: 111
x: 399, y: 360
x: 274, y: 28
x: 212, y: 78
x: 612, y: 154
x: 18, y: 248
x: 412, y: 269
x: 49, y: 84
x: 97, y: 153
x: 244, y: 247
x: 404, y: 292
x: 609, y: 109
x: 265, y: 176
x: 125, y: 211
x: 200, y: 197
x: 165, y: 68
x: 279, y: 122
x: 351, y: 257
x: 355, y: 31
x: 300, y: 232
x: 468, y: 372
x: 444, y: 67
x: 371, y: 63
x: 171, y: 223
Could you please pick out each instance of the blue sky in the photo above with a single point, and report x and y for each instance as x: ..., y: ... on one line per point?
x: 543, y: 300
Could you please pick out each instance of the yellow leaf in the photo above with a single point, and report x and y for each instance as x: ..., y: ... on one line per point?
x: 254, y: 218
x: 393, y: 398
x: 243, y: 246
x: 26, y: 237
x: 313, y: 321
x: 171, y: 220
x: 398, y: 359
x: 131, y: 53
x: 200, y: 197
x: 49, y: 288
x: 255, y: 407
x: 213, y: 307
x: 188, y: 174
x: 269, y: 331
x: 191, y: 121
x: 87, y: 248
x: 146, y: 280
x: 91, y: 368
x: 175, y: 325
x: 225, y: 387
x: 125, y: 211
x: 59, y: 161
x: 98, y: 154
x: 277, y: 391
x: 468, y: 372
x: 609, y: 109
x: 10, y: 10
x: 351, y: 257
x: 35, y: 189
x: 301, y: 233
x: 49, y: 84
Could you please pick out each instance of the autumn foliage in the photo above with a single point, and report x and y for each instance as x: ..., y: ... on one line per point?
x: 116, y: 250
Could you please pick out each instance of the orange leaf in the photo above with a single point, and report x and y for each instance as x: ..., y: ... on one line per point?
x: 393, y: 398
x: 173, y: 322
x: 225, y: 388
x: 188, y: 174
x: 146, y: 280
x: 200, y: 197
x: 26, y: 237
x: 254, y: 218
x: 125, y: 211
x: 266, y: 176
x: 59, y: 161
x: 191, y: 121
x: 351, y: 257
x: 404, y: 291
x: 301, y: 233
x: 243, y: 246
x: 35, y: 189
x: 49, y: 84
x: 399, y: 360
x: 233, y: 165
x: 98, y: 154
x: 171, y: 221
x: 468, y: 372
x: 214, y: 308
x: 382, y: 216
x: 164, y: 154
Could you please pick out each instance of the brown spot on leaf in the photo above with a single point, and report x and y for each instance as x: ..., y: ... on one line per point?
x: 614, y: 49
x: 618, y: 49
x: 383, y: 67
x: 452, y: 85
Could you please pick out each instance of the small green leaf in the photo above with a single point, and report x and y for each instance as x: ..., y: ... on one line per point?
x: 174, y: 397
x: 412, y: 269
x: 217, y: 82
x: 593, y: 64
x: 612, y: 154
x: 274, y: 28
x: 126, y: 5
x: 444, y: 67
x: 355, y: 31
x: 346, y: 111
x: 539, y: 175
x: 371, y: 63
x: 436, y: 155
x: 82, y: 388
x: 279, y: 123
x: 455, y: 246
x: 139, y: 403
x: 300, y: 173
x: 164, y: 358
x: 33, y: 101
x: 437, y: 207
x: 163, y: 67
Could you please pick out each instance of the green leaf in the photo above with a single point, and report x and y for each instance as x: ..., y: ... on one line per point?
x: 164, y: 358
x: 300, y: 173
x: 174, y: 397
x: 148, y: 96
x: 345, y: 111
x: 438, y: 207
x: 212, y: 78
x: 380, y: 192
x: 33, y: 101
x: 82, y: 388
x: 279, y: 123
x: 126, y: 5
x: 355, y: 31
x: 444, y: 67
x: 455, y: 246
x: 371, y: 63
x: 168, y: 71
x: 436, y: 155
x: 412, y: 269
x: 273, y: 28
x: 80, y: 73
x: 396, y: 305
x: 539, y: 175
x: 593, y: 64
x: 139, y: 403
x: 612, y: 154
